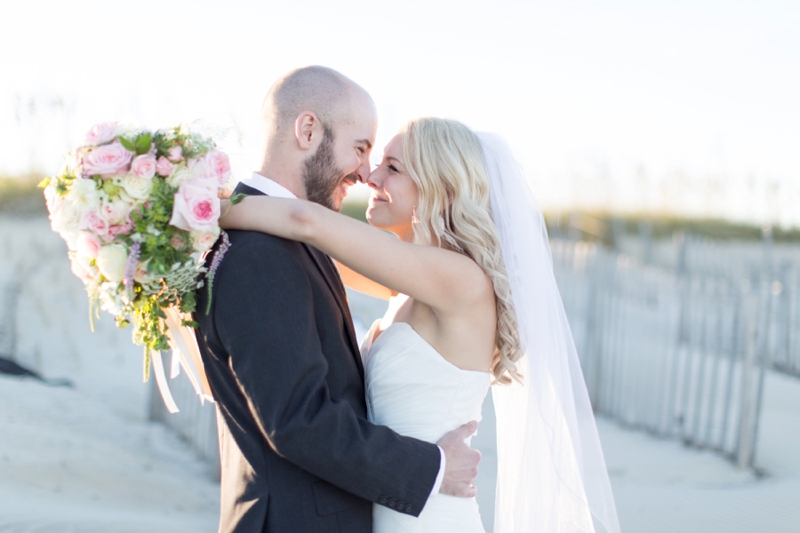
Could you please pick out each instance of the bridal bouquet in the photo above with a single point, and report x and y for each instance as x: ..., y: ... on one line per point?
x: 137, y: 209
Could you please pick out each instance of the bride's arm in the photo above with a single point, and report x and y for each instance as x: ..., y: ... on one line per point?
x: 442, y: 279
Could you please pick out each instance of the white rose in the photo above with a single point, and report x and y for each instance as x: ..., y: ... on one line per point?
x: 84, y: 193
x: 67, y: 218
x: 111, y: 260
x: 137, y: 188
x: 203, y: 240
x: 179, y: 173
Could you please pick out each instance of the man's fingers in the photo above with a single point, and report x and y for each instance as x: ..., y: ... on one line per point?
x: 466, y: 430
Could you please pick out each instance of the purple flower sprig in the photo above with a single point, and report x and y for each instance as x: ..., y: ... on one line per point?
x: 218, y: 255
x: 130, y: 268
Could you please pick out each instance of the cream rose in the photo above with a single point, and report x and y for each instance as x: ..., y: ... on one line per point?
x: 107, y: 160
x: 203, y: 240
x: 196, y: 206
x: 137, y: 188
x: 111, y: 260
x: 141, y: 275
x: 179, y: 174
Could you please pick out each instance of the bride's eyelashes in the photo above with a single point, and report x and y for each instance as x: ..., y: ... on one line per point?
x: 392, y: 168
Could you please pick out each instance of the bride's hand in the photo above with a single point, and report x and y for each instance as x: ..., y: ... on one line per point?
x: 224, y: 210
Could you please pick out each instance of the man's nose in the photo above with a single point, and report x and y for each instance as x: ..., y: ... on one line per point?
x: 363, y: 171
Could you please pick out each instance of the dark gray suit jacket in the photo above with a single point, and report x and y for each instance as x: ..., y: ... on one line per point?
x: 298, y: 454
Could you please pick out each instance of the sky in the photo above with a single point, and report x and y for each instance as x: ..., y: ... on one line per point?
x: 677, y: 106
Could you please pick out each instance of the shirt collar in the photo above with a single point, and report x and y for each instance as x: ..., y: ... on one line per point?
x: 267, y: 186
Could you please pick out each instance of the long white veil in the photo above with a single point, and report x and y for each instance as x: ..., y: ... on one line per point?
x: 552, y: 477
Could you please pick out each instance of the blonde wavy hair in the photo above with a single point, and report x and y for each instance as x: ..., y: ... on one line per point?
x: 445, y: 160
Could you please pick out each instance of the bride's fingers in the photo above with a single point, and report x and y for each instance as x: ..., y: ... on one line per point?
x: 224, y: 194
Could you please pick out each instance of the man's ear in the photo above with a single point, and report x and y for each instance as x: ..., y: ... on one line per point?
x: 307, y: 130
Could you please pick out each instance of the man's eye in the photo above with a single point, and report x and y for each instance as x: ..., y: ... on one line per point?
x: 361, y: 150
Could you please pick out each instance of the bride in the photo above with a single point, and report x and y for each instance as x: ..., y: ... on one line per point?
x: 473, y: 305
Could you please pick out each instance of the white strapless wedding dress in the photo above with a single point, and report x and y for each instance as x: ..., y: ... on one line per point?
x: 416, y: 392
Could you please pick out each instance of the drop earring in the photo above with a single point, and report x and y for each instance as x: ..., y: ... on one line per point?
x: 414, y: 219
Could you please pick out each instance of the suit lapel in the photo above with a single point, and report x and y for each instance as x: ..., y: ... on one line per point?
x: 328, y: 270
x: 331, y: 276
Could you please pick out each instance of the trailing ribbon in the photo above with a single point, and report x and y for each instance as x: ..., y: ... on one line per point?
x: 186, y: 355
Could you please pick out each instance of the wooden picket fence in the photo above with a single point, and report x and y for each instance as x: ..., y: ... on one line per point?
x: 682, y: 351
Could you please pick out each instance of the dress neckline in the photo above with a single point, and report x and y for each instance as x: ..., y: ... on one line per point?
x: 439, y: 356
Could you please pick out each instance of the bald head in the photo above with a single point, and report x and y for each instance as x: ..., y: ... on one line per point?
x: 320, y: 90
x: 319, y: 129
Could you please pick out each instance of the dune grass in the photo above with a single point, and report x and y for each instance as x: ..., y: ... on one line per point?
x: 20, y: 195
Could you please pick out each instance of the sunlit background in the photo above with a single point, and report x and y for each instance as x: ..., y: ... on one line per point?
x: 636, y: 106
x: 661, y: 138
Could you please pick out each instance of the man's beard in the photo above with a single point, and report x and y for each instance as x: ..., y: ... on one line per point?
x: 321, y: 176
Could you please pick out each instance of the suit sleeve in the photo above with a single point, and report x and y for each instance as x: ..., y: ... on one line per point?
x: 277, y: 360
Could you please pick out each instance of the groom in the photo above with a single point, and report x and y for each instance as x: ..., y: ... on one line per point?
x: 280, y: 353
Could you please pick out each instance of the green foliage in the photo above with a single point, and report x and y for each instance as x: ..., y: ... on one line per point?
x: 127, y: 143
x: 143, y: 143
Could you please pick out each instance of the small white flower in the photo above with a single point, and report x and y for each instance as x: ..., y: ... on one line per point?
x: 84, y: 193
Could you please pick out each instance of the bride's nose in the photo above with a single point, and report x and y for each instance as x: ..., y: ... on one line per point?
x: 374, y: 179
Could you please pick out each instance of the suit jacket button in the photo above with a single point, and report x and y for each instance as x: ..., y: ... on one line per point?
x: 408, y: 508
x: 384, y: 500
x: 393, y: 503
x: 401, y: 506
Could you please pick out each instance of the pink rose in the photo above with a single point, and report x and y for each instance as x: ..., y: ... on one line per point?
x: 175, y: 154
x: 219, y: 165
x: 144, y: 166
x: 196, y: 205
x: 199, y: 168
x: 107, y: 160
x: 124, y: 229
x: 95, y: 223
x: 164, y: 167
x: 115, y: 212
x: 101, y: 133
x: 88, y: 244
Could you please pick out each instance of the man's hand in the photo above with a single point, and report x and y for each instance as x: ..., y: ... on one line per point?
x: 461, y: 462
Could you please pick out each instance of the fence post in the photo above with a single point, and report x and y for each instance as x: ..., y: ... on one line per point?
x: 745, y: 437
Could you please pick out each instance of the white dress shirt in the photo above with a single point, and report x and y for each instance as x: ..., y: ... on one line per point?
x: 275, y: 189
